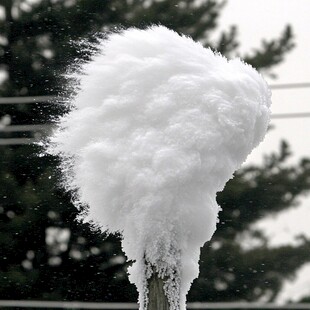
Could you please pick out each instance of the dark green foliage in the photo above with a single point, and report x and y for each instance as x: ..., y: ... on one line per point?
x: 41, y: 45
x: 272, y: 52
x: 227, y: 43
x: 89, y: 266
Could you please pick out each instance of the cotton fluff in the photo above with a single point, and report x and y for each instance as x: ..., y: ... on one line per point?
x: 158, y: 127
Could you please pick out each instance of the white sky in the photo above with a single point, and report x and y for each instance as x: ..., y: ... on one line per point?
x: 257, y: 19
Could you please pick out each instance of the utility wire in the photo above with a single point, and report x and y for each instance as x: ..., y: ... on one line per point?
x: 23, y: 128
x: 290, y: 85
x: 34, y: 99
x: 111, y: 305
x: 45, y: 128
x: 290, y: 115
x: 17, y: 141
x: 28, y: 99
x: 48, y: 127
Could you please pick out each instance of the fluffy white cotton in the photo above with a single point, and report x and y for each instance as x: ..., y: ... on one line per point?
x: 158, y: 127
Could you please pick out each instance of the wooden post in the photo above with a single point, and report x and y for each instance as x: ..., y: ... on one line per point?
x: 157, y: 297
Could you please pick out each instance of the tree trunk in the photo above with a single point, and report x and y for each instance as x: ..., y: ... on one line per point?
x: 157, y: 297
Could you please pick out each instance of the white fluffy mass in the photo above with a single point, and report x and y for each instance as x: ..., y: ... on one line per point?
x: 158, y: 127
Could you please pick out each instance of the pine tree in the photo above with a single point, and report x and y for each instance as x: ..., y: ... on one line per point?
x: 37, y: 48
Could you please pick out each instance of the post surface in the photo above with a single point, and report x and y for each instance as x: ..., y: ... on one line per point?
x: 157, y: 297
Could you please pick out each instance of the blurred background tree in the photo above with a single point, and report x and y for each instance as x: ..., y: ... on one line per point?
x: 46, y: 253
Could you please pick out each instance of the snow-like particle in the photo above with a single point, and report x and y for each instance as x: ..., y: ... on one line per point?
x: 158, y: 127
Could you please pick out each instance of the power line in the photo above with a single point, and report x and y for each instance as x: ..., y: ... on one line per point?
x: 17, y: 141
x: 45, y: 128
x: 190, y: 305
x: 66, y: 304
x: 290, y: 115
x: 290, y: 85
x: 28, y: 99
x: 48, y: 127
x: 23, y: 128
x: 35, y: 99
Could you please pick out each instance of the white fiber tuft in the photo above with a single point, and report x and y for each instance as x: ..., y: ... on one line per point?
x: 158, y: 127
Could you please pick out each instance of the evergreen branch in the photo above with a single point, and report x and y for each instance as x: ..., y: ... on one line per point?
x: 227, y: 42
x: 272, y: 52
